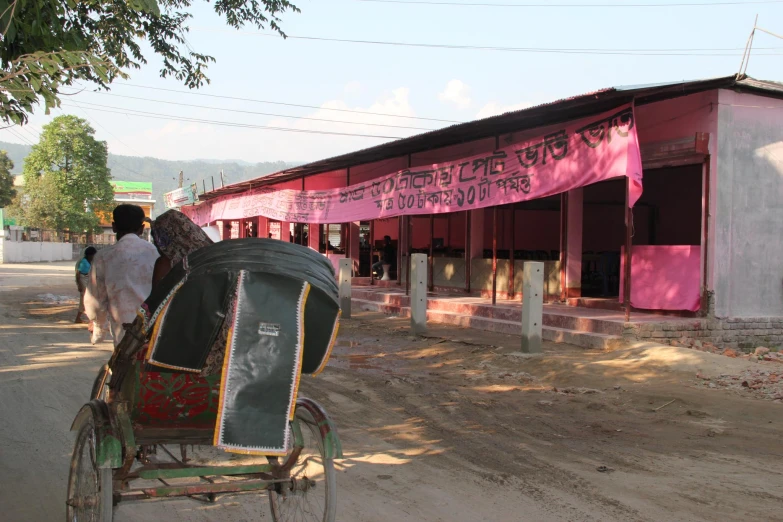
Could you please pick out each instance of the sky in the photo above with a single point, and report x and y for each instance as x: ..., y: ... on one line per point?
x: 408, y: 88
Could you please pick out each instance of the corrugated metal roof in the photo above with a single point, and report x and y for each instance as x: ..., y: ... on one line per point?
x: 542, y: 115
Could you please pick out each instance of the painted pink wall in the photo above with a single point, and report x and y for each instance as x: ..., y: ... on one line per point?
x: 453, y: 152
x: 386, y: 227
x: 457, y: 237
x: 327, y: 180
x: 574, y: 241
x: 535, y: 229
x: 420, y: 227
x: 678, y: 118
x: 368, y: 171
x: 295, y: 184
x: 421, y: 230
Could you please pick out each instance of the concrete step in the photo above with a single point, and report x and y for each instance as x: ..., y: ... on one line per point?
x: 386, y: 297
x: 590, y: 340
x: 558, y: 335
x: 551, y: 318
x: 581, y: 324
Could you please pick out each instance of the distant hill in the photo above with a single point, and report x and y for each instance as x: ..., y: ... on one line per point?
x: 164, y: 174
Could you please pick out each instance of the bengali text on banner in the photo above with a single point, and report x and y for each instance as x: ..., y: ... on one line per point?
x: 579, y: 154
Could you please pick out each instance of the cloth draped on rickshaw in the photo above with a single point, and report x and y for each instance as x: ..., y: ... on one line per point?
x: 281, y: 304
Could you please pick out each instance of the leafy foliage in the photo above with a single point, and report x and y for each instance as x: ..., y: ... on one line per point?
x: 7, y: 191
x: 66, y: 180
x: 49, y: 44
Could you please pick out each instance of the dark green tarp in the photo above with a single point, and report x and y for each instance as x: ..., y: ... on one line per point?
x: 284, y: 324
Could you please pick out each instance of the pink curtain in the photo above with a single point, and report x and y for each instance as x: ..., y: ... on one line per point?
x: 664, y: 277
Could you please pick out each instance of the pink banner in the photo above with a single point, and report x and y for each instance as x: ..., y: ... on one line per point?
x: 664, y: 277
x: 581, y: 153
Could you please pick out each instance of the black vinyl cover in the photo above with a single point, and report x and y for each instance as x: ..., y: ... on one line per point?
x: 184, y: 313
x: 261, y: 370
x: 284, y: 324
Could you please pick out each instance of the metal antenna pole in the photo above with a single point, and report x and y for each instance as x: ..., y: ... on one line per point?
x: 746, y: 55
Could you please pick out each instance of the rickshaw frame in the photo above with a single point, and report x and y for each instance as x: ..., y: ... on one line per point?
x: 118, y: 445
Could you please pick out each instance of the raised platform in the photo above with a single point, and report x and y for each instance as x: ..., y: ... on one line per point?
x: 586, y: 327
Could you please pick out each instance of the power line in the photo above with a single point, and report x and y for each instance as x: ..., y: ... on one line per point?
x: 262, y: 113
x: 107, y: 130
x: 149, y: 176
x: 19, y: 136
x: 609, y: 52
x: 281, y: 103
x: 131, y: 112
x: 29, y: 132
x: 571, y: 5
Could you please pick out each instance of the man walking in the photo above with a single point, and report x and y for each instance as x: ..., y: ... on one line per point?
x: 121, y: 275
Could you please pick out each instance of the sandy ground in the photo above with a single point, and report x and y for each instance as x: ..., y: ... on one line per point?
x: 458, y: 426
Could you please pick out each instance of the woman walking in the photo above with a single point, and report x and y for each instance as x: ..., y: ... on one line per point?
x: 83, y: 279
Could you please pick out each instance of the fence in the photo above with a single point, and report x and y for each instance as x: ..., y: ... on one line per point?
x: 34, y: 251
x: 32, y: 246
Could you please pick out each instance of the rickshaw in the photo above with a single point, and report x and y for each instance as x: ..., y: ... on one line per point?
x: 151, y: 402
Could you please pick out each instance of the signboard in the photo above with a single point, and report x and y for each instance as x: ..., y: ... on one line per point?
x: 140, y: 190
x: 181, y: 197
x: 6, y: 221
x: 550, y: 162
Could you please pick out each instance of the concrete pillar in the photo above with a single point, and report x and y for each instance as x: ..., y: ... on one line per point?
x: 314, y: 237
x: 532, y: 306
x: 355, y: 247
x: 419, y: 293
x: 402, y: 246
x: 477, y: 234
x: 344, y: 287
x: 285, y: 231
x: 574, y: 243
x: 263, y: 227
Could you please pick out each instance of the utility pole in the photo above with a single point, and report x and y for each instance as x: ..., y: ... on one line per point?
x: 222, y: 179
x: 181, y: 178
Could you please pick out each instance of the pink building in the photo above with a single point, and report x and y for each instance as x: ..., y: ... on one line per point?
x: 705, y: 235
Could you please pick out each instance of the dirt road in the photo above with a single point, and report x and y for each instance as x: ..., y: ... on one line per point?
x: 454, y: 427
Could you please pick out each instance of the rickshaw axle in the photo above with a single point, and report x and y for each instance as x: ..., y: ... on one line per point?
x: 196, y: 489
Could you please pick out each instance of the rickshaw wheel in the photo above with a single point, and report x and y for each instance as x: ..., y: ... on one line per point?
x: 100, y: 387
x: 89, y: 487
x: 311, y: 495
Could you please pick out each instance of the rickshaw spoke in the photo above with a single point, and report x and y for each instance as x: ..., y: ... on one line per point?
x: 310, y: 494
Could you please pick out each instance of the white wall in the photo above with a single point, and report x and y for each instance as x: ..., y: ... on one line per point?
x: 748, y: 278
x: 34, y: 252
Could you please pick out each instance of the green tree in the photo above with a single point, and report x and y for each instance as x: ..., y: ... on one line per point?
x: 48, y: 44
x: 7, y: 191
x: 66, y: 180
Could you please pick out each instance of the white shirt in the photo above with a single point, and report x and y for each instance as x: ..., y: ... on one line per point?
x: 120, y: 280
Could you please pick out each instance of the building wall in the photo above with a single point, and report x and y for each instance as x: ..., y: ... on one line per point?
x: 748, y: 246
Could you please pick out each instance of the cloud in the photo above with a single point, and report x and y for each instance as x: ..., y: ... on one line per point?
x: 310, y: 145
x: 456, y: 92
x: 494, y: 109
